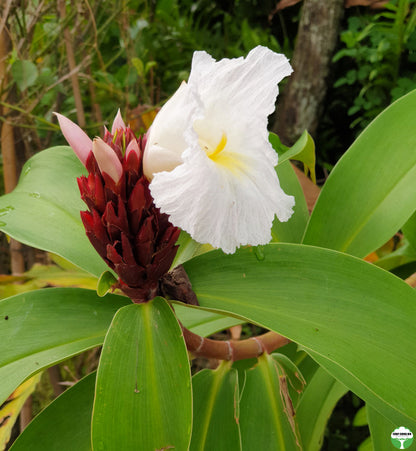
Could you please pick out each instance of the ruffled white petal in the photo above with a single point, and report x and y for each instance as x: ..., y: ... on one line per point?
x: 209, y: 155
x: 222, y: 209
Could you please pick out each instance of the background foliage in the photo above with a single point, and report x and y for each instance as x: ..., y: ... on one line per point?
x: 133, y: 55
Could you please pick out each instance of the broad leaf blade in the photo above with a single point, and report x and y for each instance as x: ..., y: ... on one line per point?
x: 65, y: 424
x: 202, y: 322
x: 143, y: 391
x: 40, y: 328
x: 381, y: 429
x: 369, y: 195
x: 44, y: 209
x: 315, y: 407
x: 265, y: 415
x: 334, y: 305
x: 216, y: 400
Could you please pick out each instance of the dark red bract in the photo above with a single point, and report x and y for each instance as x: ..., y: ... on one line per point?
x: 124, y: 225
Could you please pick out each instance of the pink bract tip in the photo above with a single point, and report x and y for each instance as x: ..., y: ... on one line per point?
x: 79, y: 141
x: 133, y: 147
x: 107, y: 159
x: 118, y: 123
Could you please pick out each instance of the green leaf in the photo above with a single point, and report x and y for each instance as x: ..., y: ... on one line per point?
x: 9, y: 411
x: 315, y: 407
x: 336, y: 306
x: 266, y: 415
x: 409, y: 229
x: 360, y: 418
x: 369, y: 194
x: 188, y: 248
x: 65, y: 424
x: 105, y: 283
x: 44, y: 209
x: 381, y: 429
x: 295, y: 380
x: 402, y: 256
x: 40, y: 328
x: 202, y: 322
x: 216, y: 411
x: 138, y: 65
x: 303, y: 150
x: 24, y: 73
x: 293, y: 230
x: 143, y: 392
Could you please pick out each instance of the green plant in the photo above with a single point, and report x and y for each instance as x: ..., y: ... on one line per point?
x: 353, y: 322
x: 382, y: 49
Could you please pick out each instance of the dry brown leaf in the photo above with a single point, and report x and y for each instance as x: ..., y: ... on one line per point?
x: 373, y: 4
x: 285, y: 4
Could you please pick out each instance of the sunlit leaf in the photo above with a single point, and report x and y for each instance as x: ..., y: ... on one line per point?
x: 48, y: 194
x: 335, y: 306
x: 10, y: 409
x: 369, y: 194
x: 216, y: 410
x: 65, y: 424
x: 303, y: 150
x: 40, y: 328
x: 315, y: 407
x: 267, y: 416
x: 143, y: 396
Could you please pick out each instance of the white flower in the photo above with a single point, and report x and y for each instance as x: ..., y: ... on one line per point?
x: 208, y: 156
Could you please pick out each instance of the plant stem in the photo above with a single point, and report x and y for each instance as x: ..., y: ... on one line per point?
x: 232, y: 349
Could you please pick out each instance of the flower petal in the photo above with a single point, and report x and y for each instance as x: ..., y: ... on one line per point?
x: 241, y: 88
x: 222, y: 208
x: 165, y: 139
x: 79, y: 141
x: 226, y: 191
x: 118, y: 123
x: 107, y: 159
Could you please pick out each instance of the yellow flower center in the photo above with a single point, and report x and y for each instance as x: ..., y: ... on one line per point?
x: 222, y: 156
x: 215, y: 154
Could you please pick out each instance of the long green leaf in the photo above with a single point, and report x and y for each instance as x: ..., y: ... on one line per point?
x: 409, y: 229
x: 202, y: 322
x: 369, y: 195
x: 266, y: 416
x: 143, y: 397
x: 336, y: 306
x: 381, y: 429
x: 65, y: 424
x: 315, y: 407
x: 291, y: 231
x: 44, y: 209
x: 40, y: 328
x: 216, y: 411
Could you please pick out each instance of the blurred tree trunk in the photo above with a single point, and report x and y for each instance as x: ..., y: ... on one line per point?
x: 300, y: 106
x: 8, y: 152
